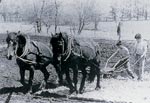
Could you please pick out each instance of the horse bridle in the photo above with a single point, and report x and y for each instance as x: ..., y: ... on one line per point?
x: 69, y: 49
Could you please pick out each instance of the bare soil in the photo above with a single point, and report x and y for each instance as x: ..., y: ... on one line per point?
x: 11, y: 90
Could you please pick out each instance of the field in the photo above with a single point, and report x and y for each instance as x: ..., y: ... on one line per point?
x: 106, y: 30
x: 119, y: 90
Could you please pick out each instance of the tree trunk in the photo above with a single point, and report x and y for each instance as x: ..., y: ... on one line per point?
x: 38, y: 24
x: 146, y: 15
x: 4, y: 17
x: 81, y: 25
x: 96, y: 24
x: 56, y: 14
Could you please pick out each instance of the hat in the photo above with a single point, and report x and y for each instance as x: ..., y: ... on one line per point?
x: 138, y: 36
x: 119, y: 43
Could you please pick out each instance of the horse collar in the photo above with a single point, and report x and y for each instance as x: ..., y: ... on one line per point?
x: 25, y: 50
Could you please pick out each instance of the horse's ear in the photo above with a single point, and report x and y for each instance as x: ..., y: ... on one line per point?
x: 18, y: 32
x: 60, y: 34
x: 7, y: 31
x: 52, y: 34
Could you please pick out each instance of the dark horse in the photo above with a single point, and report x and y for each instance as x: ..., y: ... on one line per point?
x: 30, y: 55
x: 68, y: 53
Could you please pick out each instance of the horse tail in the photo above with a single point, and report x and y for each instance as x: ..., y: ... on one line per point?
x: 91, y: 75
x: 94, y: 69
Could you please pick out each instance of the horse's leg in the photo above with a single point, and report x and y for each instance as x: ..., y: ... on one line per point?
x: 69, y: 81
x: 22, y: 74
x: 57, y: 65
x: 31, y: 78
x: 75, y: 77
x: 59, y: 73
x: 84, y: 73
x: 46, y: 76
x: 98, y: 79
x: 95, y: 65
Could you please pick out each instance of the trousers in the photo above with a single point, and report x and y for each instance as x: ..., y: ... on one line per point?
x: 139, y: 67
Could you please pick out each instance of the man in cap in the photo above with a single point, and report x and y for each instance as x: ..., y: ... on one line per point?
x: 124, y: 58
x: 140, y: 54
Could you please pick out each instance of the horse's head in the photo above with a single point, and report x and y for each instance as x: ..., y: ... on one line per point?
x: 57, y: 42
x: 11, y: 44
x: 15, y: 41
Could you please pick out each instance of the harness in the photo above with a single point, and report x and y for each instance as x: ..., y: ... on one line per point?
x: 27, y: 51
x: 67, y: 53
x: 69, y: 50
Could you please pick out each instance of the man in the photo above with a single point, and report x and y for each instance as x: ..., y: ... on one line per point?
x: 140, y: 54
x: 119, y: 30
x: 124, y: 58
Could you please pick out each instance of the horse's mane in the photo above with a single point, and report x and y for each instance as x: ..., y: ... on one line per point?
x: 66, y: 40
x: 21, y: 39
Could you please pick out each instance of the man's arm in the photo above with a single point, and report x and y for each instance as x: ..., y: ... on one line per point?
x: 111, y: 57
x: 126, y: 53
x: 145, y: 49
x: 134, y: 50
x: 113, y: 54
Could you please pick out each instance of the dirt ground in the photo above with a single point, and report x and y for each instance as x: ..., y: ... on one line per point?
x: 11, y: 90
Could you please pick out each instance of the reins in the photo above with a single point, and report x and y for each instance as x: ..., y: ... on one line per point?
x: 26, y: 60
x: 27, y: 51
x: 69, y: 49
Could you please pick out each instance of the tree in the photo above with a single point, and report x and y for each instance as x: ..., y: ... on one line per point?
x: 39, y: 19
x: 96, y: 14
x: 137, y: 9
x: 114, y: 13
x: 56, y: 15
x: 4, y: 10
x: 83, y: 10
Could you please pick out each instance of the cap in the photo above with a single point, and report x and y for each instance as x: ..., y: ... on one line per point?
x: 119, y: 43
x: 138, y: 36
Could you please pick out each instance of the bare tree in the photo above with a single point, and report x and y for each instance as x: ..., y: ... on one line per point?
x: 96, y: 14
x: 84, y: 11
x: 39, y: 19
x: 137, y: 9
x: 4, y: 11
x: 114, y: 12
x: 145, y: 11
x: 35, y: 14
x: 56, y: 15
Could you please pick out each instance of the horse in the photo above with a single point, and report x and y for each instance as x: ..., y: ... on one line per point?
x: 30, y: 55
x: 68, y: 53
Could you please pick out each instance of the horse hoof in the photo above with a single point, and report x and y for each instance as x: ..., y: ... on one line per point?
x: 30, y: 92
x: 81, y: 91
x: 72, y: 91
x: 64, y: 83
x: 23, y: 83
x: 77, y: 91
x: 98, y: 88
x: 43, y: 85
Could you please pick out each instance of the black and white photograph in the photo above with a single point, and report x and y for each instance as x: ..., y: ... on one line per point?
x: 74, y: 51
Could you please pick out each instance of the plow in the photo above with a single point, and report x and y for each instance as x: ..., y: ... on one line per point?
x: 117, y: 67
